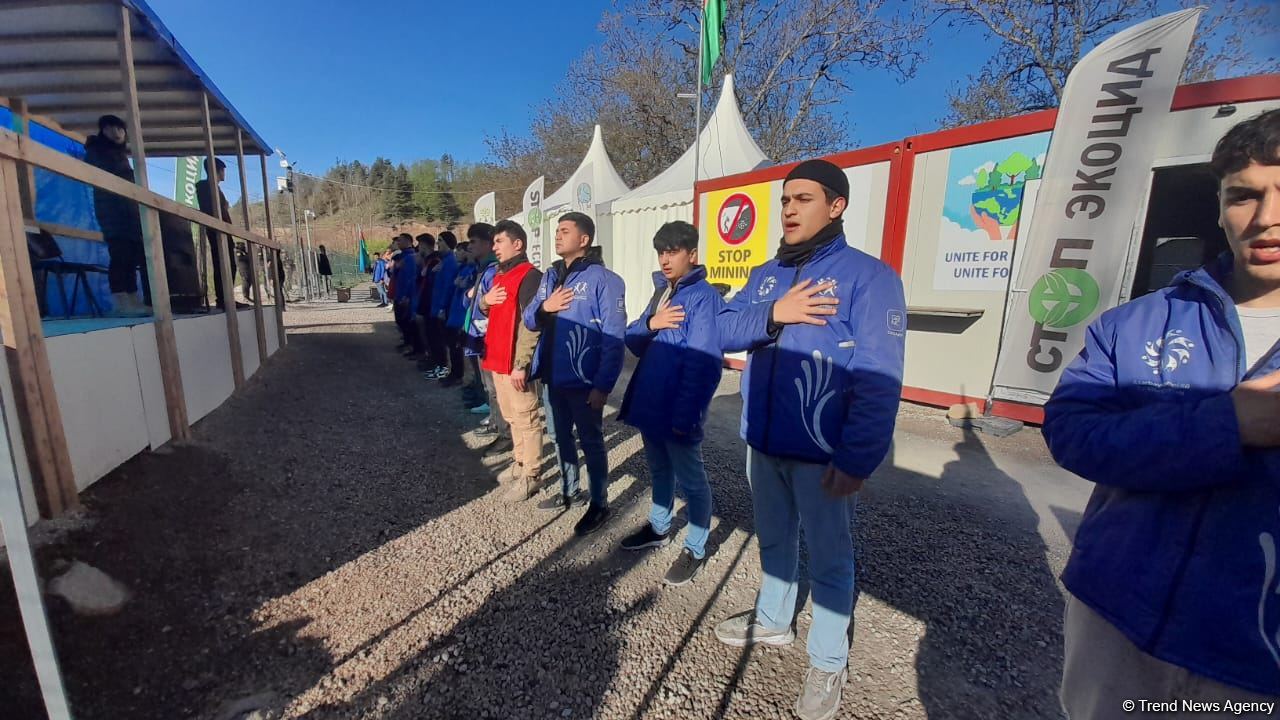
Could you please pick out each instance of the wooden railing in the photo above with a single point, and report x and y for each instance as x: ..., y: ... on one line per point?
x: 21, y: 324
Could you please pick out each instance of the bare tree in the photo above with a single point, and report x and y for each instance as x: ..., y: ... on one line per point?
x: 792, y: 60
x: 1039, y: 41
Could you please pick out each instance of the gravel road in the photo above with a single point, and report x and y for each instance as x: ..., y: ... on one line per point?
x: 328, y: 547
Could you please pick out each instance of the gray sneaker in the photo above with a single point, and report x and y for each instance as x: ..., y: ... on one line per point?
x: 820, y: 697
x: 743, y: 629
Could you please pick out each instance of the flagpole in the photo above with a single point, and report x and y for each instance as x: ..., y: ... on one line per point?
x: 697, y: 123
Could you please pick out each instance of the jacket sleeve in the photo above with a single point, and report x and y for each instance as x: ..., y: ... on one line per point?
x: 534, y: 318
x: 639, y: 335
x: 743, y: 325
x: 613, y: 315
x: 1190, y: 443
x: 700, y: 364
x: 876, y: 373
x: 526, y: 337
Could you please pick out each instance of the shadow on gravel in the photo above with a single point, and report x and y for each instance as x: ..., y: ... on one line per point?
x: 546, y: 646
x: 977, y: 578
x: 288, y: 480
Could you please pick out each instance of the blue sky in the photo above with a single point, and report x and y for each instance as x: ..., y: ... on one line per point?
x: 327, y: 80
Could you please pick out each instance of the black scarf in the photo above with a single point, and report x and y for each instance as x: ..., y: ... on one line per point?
x: 506, y: 266
x: 792, y: 255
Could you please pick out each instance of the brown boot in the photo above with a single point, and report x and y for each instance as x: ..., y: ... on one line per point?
x: 522, y: 489
x: 508, y: 477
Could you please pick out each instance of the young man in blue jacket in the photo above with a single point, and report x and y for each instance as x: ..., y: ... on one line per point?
x: 581, y: 311
x: 678, y: 343
x: 380, y: 279
x: 406, y: 299
x: 1173, y: 409
x: 824, y: 325
x: 456, y: 311
x: 442, y: 289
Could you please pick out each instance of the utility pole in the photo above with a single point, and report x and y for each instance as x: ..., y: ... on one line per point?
x: 311, y: 253
x: 305, y: 285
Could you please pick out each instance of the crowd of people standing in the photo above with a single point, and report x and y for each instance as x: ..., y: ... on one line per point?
x: 1171, y: 550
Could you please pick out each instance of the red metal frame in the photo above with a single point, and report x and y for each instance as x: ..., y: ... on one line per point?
x: 1226, y: 92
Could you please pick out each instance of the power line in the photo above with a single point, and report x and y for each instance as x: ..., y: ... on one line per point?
x: 411, y: 192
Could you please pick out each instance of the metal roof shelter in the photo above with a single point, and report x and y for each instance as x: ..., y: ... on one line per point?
x: 64, y: 58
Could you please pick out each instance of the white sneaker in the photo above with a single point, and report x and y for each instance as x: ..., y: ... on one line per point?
x: 127, y: 305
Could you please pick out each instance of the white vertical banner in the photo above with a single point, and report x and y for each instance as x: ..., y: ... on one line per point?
x: 533, y: 224
x: 1096, y: 174
x: 486, y: 209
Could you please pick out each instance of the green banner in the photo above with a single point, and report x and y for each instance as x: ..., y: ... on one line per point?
x: 187, y: 175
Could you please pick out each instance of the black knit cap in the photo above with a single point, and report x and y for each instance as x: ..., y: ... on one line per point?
x: 107, y: 121
x: 823, y: 173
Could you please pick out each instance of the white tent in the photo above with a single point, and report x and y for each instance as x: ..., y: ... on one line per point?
x: 626, y: 225
x: 594, y: 182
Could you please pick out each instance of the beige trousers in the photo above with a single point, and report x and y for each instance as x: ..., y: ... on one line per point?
x: 1104, y: 675
x: 522, y: 411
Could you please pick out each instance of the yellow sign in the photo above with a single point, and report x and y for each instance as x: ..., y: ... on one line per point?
x: 736, y: 226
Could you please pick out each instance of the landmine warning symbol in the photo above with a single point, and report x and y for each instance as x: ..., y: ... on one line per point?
x: 737, y: 219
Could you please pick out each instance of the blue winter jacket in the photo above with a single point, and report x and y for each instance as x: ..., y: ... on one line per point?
x: 457, y: 309
x: 679, y: 369
x: 1178, y: 544
x: 406, y: 279
x: 822, y: 394
x: 442, y: 285
x: 581, y: 348
x: 379, y: 270
x: 477, y: 323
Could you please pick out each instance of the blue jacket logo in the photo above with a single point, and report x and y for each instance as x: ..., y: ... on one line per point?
x: 1269, y: 589
x: 1171, y: 351
x: 831, y: 291
x: 814, y: 396
x: 578, y: 348
x: 767, y: 285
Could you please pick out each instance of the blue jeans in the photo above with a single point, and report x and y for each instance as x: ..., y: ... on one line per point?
x: 382, y: 291
x: 546, y: 410
x: 669, y: 462
x: 787, y: 496
x: 569, y: 411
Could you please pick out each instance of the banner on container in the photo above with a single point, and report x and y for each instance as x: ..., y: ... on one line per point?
x: 532, y: 214
x: 1096, y: 174
x: 486, y: 209
x: 736, y: 227
x: 980, y: 212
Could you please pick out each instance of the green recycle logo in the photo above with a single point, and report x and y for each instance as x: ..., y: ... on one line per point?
x: 535, y: 217
x: 1063, y: 298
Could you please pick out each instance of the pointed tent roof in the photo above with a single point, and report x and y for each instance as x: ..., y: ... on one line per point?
x: 597, y: 169
x: 726, y: 146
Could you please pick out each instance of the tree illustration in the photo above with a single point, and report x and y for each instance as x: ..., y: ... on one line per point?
x: 1014, y: 165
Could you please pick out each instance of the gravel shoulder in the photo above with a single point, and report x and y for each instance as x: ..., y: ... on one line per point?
x: 328, y: 546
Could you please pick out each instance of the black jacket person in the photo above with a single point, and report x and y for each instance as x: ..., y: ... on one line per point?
x: 217, y: 242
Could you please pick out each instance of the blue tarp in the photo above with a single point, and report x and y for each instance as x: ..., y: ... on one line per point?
x: 67, y: 202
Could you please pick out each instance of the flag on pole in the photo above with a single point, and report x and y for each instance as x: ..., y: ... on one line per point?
x: 712, y: 23
x: 364, y: 254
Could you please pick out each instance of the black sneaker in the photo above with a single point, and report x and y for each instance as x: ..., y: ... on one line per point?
x: 592, y: 521
x: 684, y: 569
x: 559, y: 503
x: 645, y: 537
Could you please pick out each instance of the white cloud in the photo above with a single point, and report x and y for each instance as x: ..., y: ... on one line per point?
x: 967, y: 180
x: 988, y: 166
